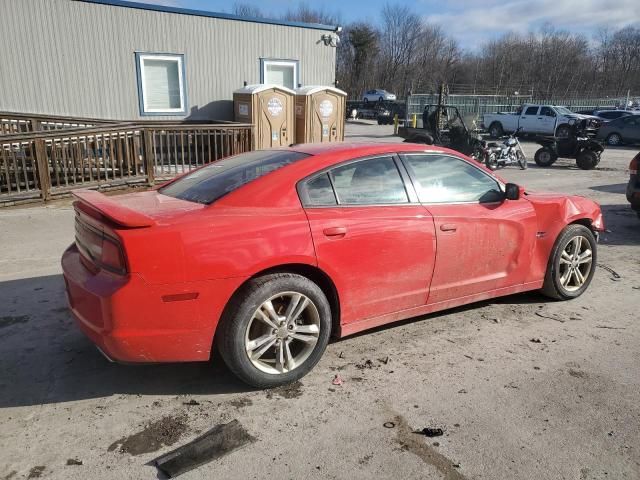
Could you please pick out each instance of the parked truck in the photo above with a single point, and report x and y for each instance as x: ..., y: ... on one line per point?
x: 535, y: 119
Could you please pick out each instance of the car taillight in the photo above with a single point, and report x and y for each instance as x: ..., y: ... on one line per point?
x: 100, y: 250
x: 112, y: 257
x: 633, y: 166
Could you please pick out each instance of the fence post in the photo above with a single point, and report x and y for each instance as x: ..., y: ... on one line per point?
x: 42, y: 168
x: 148, y: 160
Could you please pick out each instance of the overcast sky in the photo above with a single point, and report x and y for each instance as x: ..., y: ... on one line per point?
x: 470, y: 22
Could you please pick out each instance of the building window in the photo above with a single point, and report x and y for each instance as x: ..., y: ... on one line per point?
x: 161, y: 84
x: 279, y: 72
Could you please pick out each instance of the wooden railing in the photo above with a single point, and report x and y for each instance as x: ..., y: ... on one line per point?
x: 41, y: 165
x: 12, y: 123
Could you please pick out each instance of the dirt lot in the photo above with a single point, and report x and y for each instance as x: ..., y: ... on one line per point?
x: 522, y: 387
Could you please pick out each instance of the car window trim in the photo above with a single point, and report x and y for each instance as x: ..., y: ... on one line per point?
x: 412, y: 195
x: 416, y: 182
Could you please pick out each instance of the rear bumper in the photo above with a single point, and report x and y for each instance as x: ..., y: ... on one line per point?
x: 133, y: 321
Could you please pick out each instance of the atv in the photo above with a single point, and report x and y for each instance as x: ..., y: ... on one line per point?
x: 443, y: 126
x: 578, y: 145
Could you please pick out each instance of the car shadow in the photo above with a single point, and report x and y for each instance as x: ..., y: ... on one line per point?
x: 613, y: 188
x: 46, y: 359
x: 622, y: 225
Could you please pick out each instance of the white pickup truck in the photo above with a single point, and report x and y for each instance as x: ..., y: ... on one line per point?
x: 538, y: 119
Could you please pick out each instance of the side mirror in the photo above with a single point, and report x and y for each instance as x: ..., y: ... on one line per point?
x: 511, y: 191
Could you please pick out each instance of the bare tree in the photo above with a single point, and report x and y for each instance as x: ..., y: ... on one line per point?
x: 247, y: 10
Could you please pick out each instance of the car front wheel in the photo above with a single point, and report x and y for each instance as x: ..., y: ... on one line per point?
x: 572, y: 263
x: 275, y: 330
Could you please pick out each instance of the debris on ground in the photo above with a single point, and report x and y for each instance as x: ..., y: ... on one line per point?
x: 216, y: 443
x: 550, y: 317
x: 366, y: 364
x: 191, y: 403
x: 535, y: 340
x: 431, y: 432
x: 384, y: 360
x: 462, y: 390
x: 341, y: 355
x: 615, y: 276
x: 153, y: 436
x: 36, y: 472
x: 610, y: 328
x: 9, y: 320
x: 74, y: 461
x: 293, y: 390
x: 389, y: 424
x: 337, y: 380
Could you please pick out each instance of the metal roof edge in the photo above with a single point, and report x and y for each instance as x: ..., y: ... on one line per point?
x: 204, y: 13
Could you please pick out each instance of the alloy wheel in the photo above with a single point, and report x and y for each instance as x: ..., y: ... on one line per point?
x: 282, y: 333
x: 576, y: 262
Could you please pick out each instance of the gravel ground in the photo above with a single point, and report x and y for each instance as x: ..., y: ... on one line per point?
x: 522, y: 387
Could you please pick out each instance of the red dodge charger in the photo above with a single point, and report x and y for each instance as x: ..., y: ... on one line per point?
x: 266, y: 254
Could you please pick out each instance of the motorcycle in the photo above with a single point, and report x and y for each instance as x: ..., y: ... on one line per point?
x: 509, y: 152
x: 578, y: 145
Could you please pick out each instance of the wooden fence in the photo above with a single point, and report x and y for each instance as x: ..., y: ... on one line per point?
x: 12, y: 123
x: 47, y: 163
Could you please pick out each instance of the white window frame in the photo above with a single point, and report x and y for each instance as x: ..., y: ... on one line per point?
x: 144, y: 108
x: 265, y: 62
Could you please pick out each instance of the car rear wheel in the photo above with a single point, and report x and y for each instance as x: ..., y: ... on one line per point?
x: 275, y: 330
x: 545, y: 157
x: 572, y: 263
x: 563, y: 131
x: 614, y: 140
x: 496, y: 130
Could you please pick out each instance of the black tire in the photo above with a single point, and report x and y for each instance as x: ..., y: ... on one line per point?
x: 545, y: 157
x: 491, y: 162
x: 496, y: 130
x: 614, y: 139
x: 230, y: 336
x: 587, y: 160
x: 381, y: 99
x: 563, y: 131
x: 553, y: 287
x: 380, y: 121
x: 365, y: 100
x: 522, y: 160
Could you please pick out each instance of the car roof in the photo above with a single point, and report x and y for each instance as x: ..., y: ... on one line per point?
x: 364, y: 148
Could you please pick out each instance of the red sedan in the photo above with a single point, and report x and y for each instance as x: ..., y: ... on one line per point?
x: 266, y: 254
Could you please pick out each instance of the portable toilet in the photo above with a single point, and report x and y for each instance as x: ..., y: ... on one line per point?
x: 320, y: 114
x: 270, y: 108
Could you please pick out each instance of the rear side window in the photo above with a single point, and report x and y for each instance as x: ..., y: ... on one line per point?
x: 208, y: 184
x: 375, y: 181
x: 531, y: 111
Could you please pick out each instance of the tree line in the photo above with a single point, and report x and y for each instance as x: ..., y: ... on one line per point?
x: 403, y: 53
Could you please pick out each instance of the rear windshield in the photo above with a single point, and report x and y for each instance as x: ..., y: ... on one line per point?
x: 208, y: 184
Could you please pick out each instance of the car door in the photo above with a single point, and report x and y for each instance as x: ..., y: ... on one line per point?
x: 546, y: 120
x: 631, y: 132
x: 377, y: 245
x: 484, y: 242
x: 529, y: 120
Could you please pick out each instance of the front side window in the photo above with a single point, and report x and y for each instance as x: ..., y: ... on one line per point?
x: 279, y: 72
x: 547, y: 112
x: 445, y: 179
x: 161, y: 84
x: 208, y: 184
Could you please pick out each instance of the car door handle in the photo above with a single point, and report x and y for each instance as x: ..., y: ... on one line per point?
x: 448, y: 227
x: 335, y: 231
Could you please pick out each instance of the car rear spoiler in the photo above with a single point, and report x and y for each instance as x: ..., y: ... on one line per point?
x: 112, y: 210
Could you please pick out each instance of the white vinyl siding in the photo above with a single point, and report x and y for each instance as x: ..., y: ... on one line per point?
x: 162, y: 83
